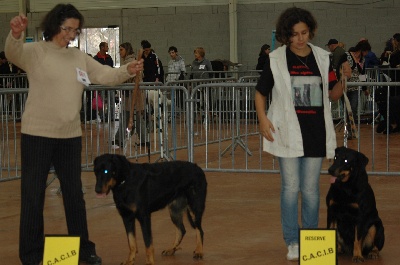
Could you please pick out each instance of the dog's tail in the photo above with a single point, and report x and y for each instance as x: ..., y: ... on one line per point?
x: 190, y: 218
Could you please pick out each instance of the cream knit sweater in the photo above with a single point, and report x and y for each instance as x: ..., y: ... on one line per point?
x: 55, y: 96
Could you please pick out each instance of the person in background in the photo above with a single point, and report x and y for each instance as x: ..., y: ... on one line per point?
x: 263, y: 56
x: 336, y: 50
x: 394, y: 60
x: 102, y: 56
x: 298, y: 128
x: 51, y: 131
x: 370, y: 58
x: 176, y: 71
x: 6, y: 67
x: 354, y: 61
x: 387, y: 51
x: 176, y: 66
x: 152, y: 68
x: 200, y: 64
x: 127, y: 55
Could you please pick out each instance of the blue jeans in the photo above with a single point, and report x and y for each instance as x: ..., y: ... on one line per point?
x: 353, y: 99
x: 299, y: 174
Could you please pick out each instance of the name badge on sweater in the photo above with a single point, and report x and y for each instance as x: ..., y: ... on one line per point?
x: 82, y: 77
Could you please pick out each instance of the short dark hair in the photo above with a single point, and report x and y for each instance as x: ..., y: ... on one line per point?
x: 363, y: 46
x: 145, y: 44
x: 54, y: 18
x: 102, y: 44
x: 172, y: 48
x: 396, y: 36
x: 289, y: 18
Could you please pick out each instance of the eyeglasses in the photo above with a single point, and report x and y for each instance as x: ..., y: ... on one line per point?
x: 69, y: 30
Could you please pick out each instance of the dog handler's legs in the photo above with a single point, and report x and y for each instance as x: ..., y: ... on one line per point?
x: 290, y: 168
x: 35, y: 164
x: 67, y: 164
x: 309, y: 188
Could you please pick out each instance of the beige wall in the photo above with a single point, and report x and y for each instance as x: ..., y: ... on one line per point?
x: 190, y: 26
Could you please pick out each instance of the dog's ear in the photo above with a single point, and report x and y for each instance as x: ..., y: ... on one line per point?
x: 362, y: 160
x: 122, y: 165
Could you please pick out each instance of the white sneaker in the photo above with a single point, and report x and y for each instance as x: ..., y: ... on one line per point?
x: 114, y: 147
x: 293, y: 252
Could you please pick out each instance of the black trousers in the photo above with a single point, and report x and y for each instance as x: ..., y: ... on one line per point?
x: 37, y: 156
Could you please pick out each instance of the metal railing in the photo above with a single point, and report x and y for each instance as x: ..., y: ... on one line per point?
x: 212, y: 122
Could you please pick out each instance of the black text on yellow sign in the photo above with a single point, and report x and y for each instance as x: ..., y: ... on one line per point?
x: 61, y: 250
x: 318, y: 246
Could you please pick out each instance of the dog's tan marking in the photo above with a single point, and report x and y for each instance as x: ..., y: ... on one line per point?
x: 331, y: 202
x: 150, y: 255
x: 357, y: 250
x: 369, y: 241
x: 333, y: 225
x: 354, y: 205
x: 132, y: 249
x: 198, y: 252
x: 175, y: 247
x: 133, y: 207
x: 346, y: 174
x: 106, y: 187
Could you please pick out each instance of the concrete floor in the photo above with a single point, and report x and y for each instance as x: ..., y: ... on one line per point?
x: 241, y: 222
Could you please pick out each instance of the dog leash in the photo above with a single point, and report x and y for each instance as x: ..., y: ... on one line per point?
x: 353, y: 127
x: 135, y: 96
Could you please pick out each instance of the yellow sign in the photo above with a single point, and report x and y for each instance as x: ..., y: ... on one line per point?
x: 61, y: 250
x: 318, y: 246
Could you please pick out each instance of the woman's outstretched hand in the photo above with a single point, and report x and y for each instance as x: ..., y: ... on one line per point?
x: 18, y: 25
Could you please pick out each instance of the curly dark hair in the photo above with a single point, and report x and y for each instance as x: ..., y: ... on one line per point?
x: 289, y: 18
x: 55, y: 18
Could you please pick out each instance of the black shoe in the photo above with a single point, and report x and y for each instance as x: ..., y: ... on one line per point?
x: 92, y: 260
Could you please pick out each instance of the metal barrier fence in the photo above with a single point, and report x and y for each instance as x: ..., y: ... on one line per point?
x: 212, y: 122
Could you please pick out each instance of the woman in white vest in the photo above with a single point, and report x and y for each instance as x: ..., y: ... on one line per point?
x: 298, y: 128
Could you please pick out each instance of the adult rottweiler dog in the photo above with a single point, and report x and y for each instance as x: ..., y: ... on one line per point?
x: 352, y: 207
x: 140, y: 189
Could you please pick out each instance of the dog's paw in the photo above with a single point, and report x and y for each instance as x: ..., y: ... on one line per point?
x: 357, y: 259
x: 374, y: 254
x: 197, y: 255
x: 170, y: 252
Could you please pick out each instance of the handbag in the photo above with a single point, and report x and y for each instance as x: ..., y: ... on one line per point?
x: 97, y: 102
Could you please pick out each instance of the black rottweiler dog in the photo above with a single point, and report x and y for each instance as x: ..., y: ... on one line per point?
x: 140, y: 189
x: 352, y: 207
